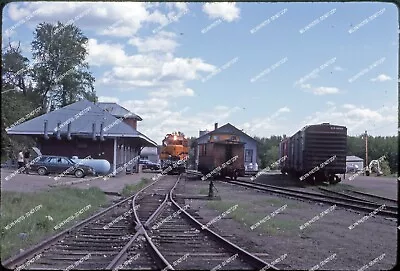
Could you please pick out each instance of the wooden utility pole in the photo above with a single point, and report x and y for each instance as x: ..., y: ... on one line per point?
x: 366, y: 153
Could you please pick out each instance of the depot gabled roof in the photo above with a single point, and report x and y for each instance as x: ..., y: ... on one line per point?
x: 118, y: 111
x: 81, y: 115
x: 227, y: 129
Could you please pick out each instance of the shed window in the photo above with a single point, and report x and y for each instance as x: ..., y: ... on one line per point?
x: 248, y: 156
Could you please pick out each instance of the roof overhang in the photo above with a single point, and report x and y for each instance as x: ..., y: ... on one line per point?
x: 150, y: 142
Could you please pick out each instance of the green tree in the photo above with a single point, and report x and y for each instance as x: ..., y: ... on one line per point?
x: 59, y: 69
x: 384, y: 165
x: 272, y: 155
x: 18, y: 98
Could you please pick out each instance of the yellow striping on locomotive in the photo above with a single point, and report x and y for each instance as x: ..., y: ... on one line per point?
x: 174, y: 145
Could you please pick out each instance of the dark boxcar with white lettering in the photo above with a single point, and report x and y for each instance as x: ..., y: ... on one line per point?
x: 316, y: 153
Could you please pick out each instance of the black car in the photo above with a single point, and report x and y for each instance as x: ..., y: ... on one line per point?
x: 62, y: 165
x: 153, y: 166
x: 147, y: 164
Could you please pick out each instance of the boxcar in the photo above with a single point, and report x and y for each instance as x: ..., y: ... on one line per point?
x: 214, y: 154
x: 316, y: 153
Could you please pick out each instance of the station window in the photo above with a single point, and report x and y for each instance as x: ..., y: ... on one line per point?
x: 248, y: 156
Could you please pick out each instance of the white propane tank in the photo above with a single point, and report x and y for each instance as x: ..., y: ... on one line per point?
x: 101, y: 166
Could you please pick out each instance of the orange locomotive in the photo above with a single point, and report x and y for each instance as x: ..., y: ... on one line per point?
x: 175, y: 147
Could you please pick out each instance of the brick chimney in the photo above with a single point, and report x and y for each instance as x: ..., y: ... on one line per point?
x: 131, y: 122
x: 216, y: 126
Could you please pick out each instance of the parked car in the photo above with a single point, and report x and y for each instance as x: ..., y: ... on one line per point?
x: 251, y: 168
x: 147, y: 164
x: 352, y: 168
x: 153, y: 166
x: 60, y: 165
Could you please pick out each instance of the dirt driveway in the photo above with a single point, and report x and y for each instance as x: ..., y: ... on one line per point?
x: 34, y: 182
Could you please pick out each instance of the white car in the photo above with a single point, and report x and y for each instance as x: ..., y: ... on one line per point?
x: 252, y: 167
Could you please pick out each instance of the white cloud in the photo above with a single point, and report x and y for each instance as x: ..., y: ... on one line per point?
x: 105, y: 54
x: 173, y: 92
x: 159, y: 118
x: 338, y: 68
x: 266, y: 125
x: 355, y: 118
x: 381, y: 78
x: 161, y: 42
x: 149, y: 69
x: 349, y: 106
x: 283, y: 109
x: 113, y: 19
x: 319, y: 90
x: 107, y: 99
x: 226, y: 10
x: 305, y: 86
x: 185, y: 68
x: 325, y: 90
x: 218, y: 113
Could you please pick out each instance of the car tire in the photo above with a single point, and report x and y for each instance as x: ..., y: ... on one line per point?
x: 42, y: 171
x: 79, y: 173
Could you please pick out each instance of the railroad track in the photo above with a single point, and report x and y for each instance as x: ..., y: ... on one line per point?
x: 182, y: 242
x: 95, y: 243
x: 125, y: 236
x: 373, y: 196
x: 346, y: 202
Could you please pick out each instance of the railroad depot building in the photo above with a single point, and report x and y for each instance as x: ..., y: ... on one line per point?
x: 229, y: 132
x: 102, y: 130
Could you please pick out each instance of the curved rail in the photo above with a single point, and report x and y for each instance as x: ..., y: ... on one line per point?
x: 390, y: 212
x: 29, y: 253
x: 257, y: 262
x: 141, y: 228
x: 343, y: 195
x: 372, y: 195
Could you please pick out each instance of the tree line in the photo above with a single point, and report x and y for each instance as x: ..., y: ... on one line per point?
x: 57, y: 75
x: 268, y: 150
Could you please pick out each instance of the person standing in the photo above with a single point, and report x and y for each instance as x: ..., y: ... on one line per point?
x: 27, y: 155
x: 20, y: 159
x: 10, y: 158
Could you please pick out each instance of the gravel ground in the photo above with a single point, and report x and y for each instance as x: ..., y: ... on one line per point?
x: 34, y: 182
x: 382, y: 186
x: 329, y: 236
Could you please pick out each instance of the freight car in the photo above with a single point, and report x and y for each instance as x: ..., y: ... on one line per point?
x: 315, y: 154
x: 174, y: 149
x: 213, y: 155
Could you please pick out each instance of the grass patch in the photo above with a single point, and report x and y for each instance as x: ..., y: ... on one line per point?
x: 129, y: 189
x: 279, y: 203
x: 243, y: 214
x: 204, y: 191
x: 43, y: 211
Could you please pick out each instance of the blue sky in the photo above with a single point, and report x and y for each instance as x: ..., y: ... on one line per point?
x: 155, y: 60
